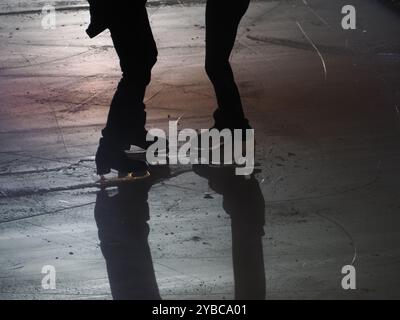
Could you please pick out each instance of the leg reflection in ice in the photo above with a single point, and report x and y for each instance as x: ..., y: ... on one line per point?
x: 243, y: 201
x: 122, y: 222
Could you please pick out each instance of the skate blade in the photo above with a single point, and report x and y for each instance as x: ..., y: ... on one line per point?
x: 105, y: 182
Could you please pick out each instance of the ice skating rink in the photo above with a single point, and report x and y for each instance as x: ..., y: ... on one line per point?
x: 325, y: 105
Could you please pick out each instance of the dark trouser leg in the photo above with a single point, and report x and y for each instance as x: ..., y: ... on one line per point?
x: 222, y: 21
x: 137, y: 51
x: 248, y: 260
x: 123, y: 230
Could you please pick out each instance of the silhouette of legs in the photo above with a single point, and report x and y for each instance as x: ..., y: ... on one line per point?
x: 122, y: 222
x: 222, y: 22
x: 123, y: 233
x: 133, y: 40
x: 134, y: 43
x: 244, y: 202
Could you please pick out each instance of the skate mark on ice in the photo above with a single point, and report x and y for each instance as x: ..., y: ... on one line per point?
x: 347, y: 233
x: 301, y: 45
x: 23, y: 192
x: 316, y: 14
x: 316, y: 49
x: 29, y: 65
x: 49, y: 212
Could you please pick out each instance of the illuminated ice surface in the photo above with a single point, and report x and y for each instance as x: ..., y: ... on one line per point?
x: 328, y: 157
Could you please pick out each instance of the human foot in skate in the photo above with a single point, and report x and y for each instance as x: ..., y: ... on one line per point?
x: 110, y: 156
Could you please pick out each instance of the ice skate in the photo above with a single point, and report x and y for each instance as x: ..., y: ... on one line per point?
x: 109, y: 157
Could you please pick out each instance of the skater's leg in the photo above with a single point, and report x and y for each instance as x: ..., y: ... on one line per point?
x: 136, y: 48
x: 137, y: 51
x: 222, y: 21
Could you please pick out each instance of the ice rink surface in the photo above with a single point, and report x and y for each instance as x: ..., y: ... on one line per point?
x: 325, y: 106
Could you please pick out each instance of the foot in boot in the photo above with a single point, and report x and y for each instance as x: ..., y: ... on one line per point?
x: 110, y: 156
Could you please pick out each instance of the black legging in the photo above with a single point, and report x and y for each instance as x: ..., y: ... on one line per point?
x: 134, y: 43
x: 222, y: 21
